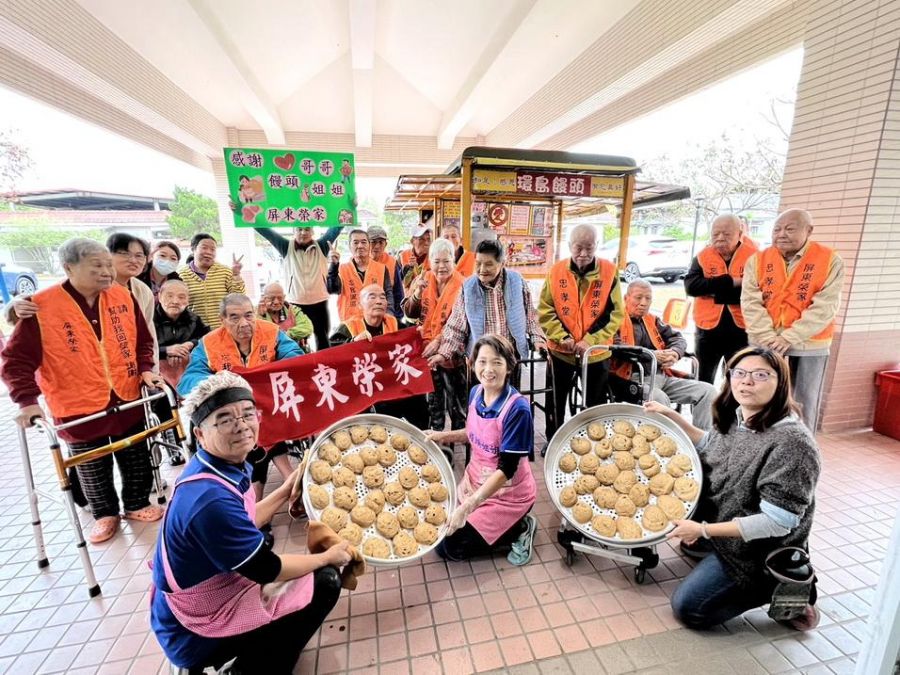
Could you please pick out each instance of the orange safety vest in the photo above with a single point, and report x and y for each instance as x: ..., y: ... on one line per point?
x: 706, y: 312
x: 466, y: 264
x: 578, y: 316
x: 351, y: 286
x: 436, y: 308
x: 786, y: 296
x: 407, y: 257
x: 222, y: 351
x: 391, y: 263
x: 356, y: 325
x: 78, y: 371
x: 626, y: 337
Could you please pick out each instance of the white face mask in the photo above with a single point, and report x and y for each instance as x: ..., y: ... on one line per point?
x: 164, y: 266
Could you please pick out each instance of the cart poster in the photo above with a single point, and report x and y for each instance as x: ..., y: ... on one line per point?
x: 519, y: 218
x: 291, y: 188
x: 450, y: 213
x: 540, y: 221
x: 527, y: 252
x: 300, y: 396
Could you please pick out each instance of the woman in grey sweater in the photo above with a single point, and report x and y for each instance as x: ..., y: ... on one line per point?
x: 760, y: 467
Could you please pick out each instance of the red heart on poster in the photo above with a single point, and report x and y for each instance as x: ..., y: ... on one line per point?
x: 250, y: 212
x: 285, y: 162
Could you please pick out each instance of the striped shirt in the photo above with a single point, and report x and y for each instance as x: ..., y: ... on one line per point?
x: 207, y: 292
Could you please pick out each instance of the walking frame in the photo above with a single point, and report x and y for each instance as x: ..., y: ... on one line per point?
x: 62, y: 462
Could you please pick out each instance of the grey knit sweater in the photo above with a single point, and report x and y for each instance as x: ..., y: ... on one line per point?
x: 780, y: 465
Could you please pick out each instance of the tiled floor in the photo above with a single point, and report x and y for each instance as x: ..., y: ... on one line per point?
x: 432, y: 617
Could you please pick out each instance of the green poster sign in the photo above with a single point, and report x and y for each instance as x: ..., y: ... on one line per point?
x: 291, y: 188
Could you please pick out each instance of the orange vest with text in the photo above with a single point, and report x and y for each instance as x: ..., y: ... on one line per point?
x: 348, y: 300
x: 436, y: 308
x: 707, y: 312
x: 786, y: 296
x: 626, y: 337
x: 466, y: 264
x: 78, y: 371
x: 357, y: 325
x: 390, y: 262
x: 222, y: 351
x: 578, y: 316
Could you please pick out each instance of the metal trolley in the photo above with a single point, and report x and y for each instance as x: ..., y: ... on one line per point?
x: 62, y: 462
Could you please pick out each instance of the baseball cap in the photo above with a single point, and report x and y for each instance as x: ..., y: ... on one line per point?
x: 420, y: 231
x: 376, y: 232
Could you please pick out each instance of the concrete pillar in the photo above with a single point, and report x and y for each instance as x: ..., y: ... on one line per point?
x: 843, y: 166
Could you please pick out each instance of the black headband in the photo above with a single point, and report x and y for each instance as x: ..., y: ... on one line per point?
x: 217, y: 400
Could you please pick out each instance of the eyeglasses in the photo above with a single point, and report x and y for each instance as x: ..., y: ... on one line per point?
x: 755, y: 375
x: 131, y: 256
x: 231, y: 423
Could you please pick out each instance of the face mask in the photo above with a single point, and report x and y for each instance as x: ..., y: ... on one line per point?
x: 164, y: 266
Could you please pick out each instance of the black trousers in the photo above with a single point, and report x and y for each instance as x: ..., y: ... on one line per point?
x: 260, y: 459
x: 273, y: 649
x: 450, y: 396
x: 466, y: 543
x: 318, y: 314
x: 414, y: 409
x: 564, y: 376
x: 716, y: 344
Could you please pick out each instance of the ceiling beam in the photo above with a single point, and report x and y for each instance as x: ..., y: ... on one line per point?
x: 362, y: 58
x: 250, y: 92
x: 464, y: 103
x: 655, y: 37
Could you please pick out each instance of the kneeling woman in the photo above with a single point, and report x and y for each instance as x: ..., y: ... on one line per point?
x: 760, y: 468
x: 210, y: 603
x: 498, y: 489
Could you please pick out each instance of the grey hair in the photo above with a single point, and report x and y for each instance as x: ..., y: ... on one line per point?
x: 639, y: 283
x: 582, y: 229
x: 268, y: 286
x: 804, y: 216
x: 224, y: 379
x: 233, y: 299
x: 727, y: 217
x: 441, y: 246
x: 76, y: 249
x: 171, y: 282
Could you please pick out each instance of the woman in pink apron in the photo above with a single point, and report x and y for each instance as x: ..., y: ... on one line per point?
x: 498, y: 488
x: 213, y: 600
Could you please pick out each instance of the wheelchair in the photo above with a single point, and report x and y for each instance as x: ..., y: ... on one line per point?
x: 63, y: 461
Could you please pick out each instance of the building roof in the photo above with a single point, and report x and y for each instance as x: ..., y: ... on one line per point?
x: 73, y: 198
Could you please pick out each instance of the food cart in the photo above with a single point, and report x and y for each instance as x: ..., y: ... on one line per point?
x: 523, y: 197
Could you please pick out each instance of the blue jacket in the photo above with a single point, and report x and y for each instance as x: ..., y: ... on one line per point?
x: 516, y: 318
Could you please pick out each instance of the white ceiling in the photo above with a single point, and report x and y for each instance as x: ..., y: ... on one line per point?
x: 298, y: 52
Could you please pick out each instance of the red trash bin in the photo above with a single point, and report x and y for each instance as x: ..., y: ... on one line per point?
x: 887, y: 405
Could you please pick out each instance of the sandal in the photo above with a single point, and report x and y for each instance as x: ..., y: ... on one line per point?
x: 104, y: 529
x: 148, y: 514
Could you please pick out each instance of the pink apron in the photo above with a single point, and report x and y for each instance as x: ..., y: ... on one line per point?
x: 229, y: 603
x: 511, y: 502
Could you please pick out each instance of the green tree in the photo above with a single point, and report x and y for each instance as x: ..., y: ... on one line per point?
x: 191, y: 213
x: 14, y: 161
x: 38, y: 242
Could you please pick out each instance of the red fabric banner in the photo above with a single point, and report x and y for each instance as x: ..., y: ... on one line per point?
x: 303, y: 395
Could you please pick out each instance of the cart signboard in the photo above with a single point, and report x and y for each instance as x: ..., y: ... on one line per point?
x: 547, y: 183
x: 291, y: 188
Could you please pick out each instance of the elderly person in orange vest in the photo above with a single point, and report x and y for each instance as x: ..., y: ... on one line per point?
x: 641, y: 328
x: 431, y: 300
x: 346, y: 280
x: 790, y: 297
x: 715, y: 280
x: 580, y: 306
x: 465, y: 260
x: 378, y: 240
x: 88, y: 349
x: 414, y: 261
x: 244, y: 341
x: 376, y: 320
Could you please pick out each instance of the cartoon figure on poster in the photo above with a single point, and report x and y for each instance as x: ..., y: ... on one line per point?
x: 251, y: 189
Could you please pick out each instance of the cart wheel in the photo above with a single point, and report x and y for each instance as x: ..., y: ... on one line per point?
x: 640, y: 574
x: 570, y: 557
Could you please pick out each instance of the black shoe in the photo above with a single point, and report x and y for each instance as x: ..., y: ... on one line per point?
x: 698, y: 550
x: 176, y: 459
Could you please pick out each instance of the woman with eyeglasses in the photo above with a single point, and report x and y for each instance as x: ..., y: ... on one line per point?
x: 760, y: 468
x: 211, y: 600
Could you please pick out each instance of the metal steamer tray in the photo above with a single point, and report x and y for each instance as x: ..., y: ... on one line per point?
x: 393, y: 426
x: 607, y: 415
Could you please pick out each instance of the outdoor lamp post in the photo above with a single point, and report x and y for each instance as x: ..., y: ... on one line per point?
x: 698, y: 205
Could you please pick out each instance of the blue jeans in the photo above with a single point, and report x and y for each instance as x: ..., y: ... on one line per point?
x: 708, y: 596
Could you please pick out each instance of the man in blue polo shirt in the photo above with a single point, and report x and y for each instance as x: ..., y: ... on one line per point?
x: 211, y: 603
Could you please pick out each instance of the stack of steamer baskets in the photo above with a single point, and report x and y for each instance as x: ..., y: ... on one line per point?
x: 381, y: 485
x: 620, y: 476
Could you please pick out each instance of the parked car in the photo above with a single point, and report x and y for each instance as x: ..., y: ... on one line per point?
x: 19, y: 280
x: 650, y: 256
